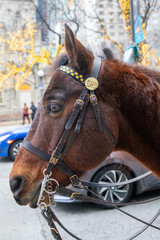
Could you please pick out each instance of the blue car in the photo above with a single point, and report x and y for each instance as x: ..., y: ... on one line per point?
x: 10, y: 141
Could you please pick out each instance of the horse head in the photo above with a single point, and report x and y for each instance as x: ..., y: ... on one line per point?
x: 90, y: 147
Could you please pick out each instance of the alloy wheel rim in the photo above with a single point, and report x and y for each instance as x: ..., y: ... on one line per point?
x: 113, y: 194
x: 16, y: 149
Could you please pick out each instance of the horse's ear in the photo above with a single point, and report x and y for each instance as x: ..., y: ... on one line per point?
x: 108, y: 53
x: 78, y: 55
x: 70, y: 44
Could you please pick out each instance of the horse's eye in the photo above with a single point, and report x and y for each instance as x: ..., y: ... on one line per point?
x: 54, y: 108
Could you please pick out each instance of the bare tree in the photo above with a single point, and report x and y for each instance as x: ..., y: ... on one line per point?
x: 148, y: 7
x: 45, y: 21
x: 80, y: 17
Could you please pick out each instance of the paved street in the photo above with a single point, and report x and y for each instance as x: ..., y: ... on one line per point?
x: 16, y: 222
x: 85, y: 220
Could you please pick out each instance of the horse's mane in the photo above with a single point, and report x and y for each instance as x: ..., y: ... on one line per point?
x: 152, y: 73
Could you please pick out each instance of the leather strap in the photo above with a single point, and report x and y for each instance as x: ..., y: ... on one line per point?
x: 45, y: 156
x: 40, y: 153
x: 50, y: 217
x: 79, y: 108
x: 97, y: 200
x: 77, y: 76
x: 95, y: 105
x: 81, y: 197
x: 135, y: 179
x: 96, y: 67
x: 107, y: 129
x: 145, y: 227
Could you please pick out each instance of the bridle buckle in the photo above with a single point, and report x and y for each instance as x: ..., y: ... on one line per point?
x: 74, y: 180
x: 93, y: 98
x: 79, y: 101
x: 53, y: 159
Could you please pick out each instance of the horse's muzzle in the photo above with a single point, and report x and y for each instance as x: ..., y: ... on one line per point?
x: 17, y: 185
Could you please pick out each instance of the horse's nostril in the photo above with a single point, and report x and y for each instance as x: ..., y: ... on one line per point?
x: 17, y: 184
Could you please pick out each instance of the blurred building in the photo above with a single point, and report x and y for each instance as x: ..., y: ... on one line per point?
x: 152, y: 33
x: 83, y: 16
x: 14, y: 14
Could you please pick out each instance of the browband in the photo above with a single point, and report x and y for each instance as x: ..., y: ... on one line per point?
x: 79, y: 77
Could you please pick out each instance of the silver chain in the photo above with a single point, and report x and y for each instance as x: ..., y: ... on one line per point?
x: 50, y: 194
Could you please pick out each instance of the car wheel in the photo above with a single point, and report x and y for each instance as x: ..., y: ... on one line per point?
x: 14, y: 149
x: 113, y: 174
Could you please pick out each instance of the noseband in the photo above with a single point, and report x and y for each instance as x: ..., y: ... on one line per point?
x: 76, y: 118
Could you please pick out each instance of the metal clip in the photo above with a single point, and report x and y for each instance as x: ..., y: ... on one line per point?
x: 41, y: 197
x: 43, y: 187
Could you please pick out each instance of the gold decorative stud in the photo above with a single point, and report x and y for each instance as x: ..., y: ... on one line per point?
x: 91, y: 83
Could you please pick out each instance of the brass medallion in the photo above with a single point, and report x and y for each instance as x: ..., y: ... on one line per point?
x: 91, y: 83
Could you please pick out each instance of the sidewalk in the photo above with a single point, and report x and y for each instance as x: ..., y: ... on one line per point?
x: 16, y: 222
x: 9, y: 123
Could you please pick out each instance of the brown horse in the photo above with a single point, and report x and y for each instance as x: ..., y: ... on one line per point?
x: 129, y: 98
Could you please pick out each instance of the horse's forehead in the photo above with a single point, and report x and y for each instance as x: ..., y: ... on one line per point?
x: 61, y: 82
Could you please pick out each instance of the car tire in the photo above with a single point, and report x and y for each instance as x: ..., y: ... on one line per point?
x: 14, y: 149
x: 113, y: 173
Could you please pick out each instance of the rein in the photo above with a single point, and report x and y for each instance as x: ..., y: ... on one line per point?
x: 55, y: 159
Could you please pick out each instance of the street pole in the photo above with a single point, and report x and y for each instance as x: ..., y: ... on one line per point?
x: 41, y: 84
x: 41, y: 87
x: 135, y: 51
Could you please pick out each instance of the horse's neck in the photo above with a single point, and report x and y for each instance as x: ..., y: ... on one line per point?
x: 139, y: 115
x: 134, y: 143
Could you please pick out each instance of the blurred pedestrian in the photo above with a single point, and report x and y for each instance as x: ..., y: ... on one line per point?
x: 33, y: 108
x: 25, y: 113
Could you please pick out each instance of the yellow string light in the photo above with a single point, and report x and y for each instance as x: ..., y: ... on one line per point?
x: 21, y: 48
x: 125, y: 7
x: 59, y: 48
x: 107, y: 37
x: 143, y: 47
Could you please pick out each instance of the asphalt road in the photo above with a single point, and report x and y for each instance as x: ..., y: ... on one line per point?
x: 84, y: 219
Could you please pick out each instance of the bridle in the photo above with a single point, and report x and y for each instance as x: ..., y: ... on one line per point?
x: 76, y: 118
x: 55, y: 159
